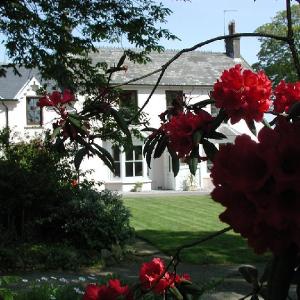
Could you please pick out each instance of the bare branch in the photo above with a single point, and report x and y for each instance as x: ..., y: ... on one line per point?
x: 290, y: 37
x: 199, y: 45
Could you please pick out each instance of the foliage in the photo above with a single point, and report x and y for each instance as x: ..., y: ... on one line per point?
x: 274, y: 56
x: 93, y: 220
x: 50, y: 291
x: 39, y: 205
x: 57, y: 37
x: 34, y: 181
x: 45, y: 256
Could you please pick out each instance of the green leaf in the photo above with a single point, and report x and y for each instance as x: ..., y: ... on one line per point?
x: 75, y: 121
x: 79, y: 157
x: 105, y: 156
x: 266, y: 123
x: 55, y: 132
x: 176, y: 293
x: 175, y: 161
x: 161, y: 146
x: 6, y: 294
x: 147, y: 144
x: 218, y: 120
x: 250, y: 274
x: 251, y: 126
x: 216, y: 135
x: 294, y: 111
x: 192, y: 289
x: 121, y: 122
x: 149, y: 129
x: 202, y: 103
x: 197, y: 135
x: 210, y: 149
x: 193, y: 164
x: 150, y: 149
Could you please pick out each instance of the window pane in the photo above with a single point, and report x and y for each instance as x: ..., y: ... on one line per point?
x: 172, y: 96
x: 138, y: 169
x: 129, y: 169
x: 33, y: 112
x: 128, y: 99
x: 129, y: 155
x: 138, y: 153
x: 117, y: 167
x: 116, y: 153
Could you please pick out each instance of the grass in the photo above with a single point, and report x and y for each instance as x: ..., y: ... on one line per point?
x: 171, y: 221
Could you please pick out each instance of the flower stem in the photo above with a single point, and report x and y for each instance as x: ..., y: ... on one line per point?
x: 281, y: 274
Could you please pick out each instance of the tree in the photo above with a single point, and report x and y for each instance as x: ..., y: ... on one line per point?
x: 274, y: 56
x: 57, y: 36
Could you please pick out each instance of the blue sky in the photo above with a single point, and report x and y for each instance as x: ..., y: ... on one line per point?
x: 198, y: 20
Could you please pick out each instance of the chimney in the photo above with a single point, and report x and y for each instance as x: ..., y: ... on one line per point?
x: 232, y: 45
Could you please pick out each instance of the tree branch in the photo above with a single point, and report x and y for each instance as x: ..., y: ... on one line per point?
x: 199, y: 45
x: 290, y: 37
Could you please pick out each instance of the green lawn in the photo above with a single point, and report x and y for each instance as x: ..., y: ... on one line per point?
x: 170, y: 221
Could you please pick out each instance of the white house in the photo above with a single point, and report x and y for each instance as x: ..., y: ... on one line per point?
x: 193, y: 74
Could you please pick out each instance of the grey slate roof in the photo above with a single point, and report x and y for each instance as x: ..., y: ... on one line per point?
x: 11, y: 84
x: 192, y: 68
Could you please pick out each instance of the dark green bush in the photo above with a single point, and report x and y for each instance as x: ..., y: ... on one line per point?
x: 94, y: 220
x: 38, y: 205
x: 34, y: 182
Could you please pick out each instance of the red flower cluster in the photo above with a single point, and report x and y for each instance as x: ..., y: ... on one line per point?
x: 153, y: 275
x: 112, y: 291
x: 258, y: 183
x: 286, y: 94
x: 56, y: 98
x: 243, y: 94
x: 180, y: 130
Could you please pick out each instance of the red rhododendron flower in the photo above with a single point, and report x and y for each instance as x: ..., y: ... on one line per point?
x: 243, y: 94
x: 258, y: 183
x: 150, y: 274
x: 56, y: 98
x: 180, y: 130
x: 112, y: 291
x: 92, y: 292
x: 286, y: 94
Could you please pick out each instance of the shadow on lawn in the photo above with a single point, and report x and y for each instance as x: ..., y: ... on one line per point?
x: 228, y: 248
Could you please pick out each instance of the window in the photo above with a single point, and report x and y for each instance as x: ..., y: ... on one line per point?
x: 134, y: 162
x: 128, y: 99
x: 33, y: 112
x: 171, y: 96
x: 116, y: 157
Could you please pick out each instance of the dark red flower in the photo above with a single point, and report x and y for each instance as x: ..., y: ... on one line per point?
x: 56, y: 98
x: 180, y: 130
x: 240, y: 165
x: 112, y: 291
x: 258, y: 183
x: 243, y: 94
x: 286, y: 94
x: 92, y: 292
x: 153, y: 275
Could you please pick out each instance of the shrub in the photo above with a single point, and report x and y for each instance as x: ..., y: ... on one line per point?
x: 95, y: 220
x: 34, y: 181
